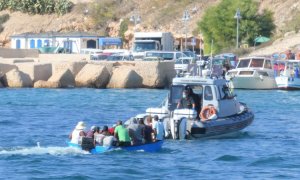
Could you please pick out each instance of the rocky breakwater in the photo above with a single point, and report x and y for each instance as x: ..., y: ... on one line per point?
x: 91, y: 74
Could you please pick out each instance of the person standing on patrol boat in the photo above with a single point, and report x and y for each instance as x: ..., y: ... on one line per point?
x: 186, y: 102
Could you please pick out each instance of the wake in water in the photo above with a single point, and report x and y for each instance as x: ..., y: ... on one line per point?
x: 38, y: 150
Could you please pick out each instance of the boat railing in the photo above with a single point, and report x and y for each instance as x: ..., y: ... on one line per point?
x: 164, y: 103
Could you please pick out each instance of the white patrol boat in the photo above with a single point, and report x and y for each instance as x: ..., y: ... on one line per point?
x: 218, y: 113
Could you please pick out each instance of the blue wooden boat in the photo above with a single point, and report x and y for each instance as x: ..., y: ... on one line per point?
x: 151, y: 147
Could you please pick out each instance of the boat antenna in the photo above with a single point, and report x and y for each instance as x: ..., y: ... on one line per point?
x: 200, y: 47
x: 211, y: 56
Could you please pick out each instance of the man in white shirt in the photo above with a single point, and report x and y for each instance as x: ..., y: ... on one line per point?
x: 158, y: 128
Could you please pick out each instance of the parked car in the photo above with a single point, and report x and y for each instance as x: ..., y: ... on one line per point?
x: 191, y: 54
x: 100, y: 56
x: 152, y: 58
x: 120, y: 57
x: 165, y: 55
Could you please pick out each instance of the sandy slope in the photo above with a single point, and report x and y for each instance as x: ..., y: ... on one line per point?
x: 21, y: 23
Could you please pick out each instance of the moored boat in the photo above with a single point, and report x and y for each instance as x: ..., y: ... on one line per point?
x: 252, y: 73
x: 150, y: 147
x: 287, y: 74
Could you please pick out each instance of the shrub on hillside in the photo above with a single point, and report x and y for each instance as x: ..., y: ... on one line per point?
x: 104, y: 11
x: 3, y: 19
x: 123, y: 28
x: 59, y: 7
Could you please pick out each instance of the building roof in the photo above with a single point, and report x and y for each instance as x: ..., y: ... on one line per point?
x: 52, y: 34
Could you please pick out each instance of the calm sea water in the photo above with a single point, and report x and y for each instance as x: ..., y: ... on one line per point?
x: 268, y: 149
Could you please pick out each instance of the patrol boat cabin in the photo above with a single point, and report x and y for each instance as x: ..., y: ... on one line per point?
x: 218, y: 110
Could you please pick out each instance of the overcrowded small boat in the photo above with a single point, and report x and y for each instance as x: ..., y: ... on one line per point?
x: 151, y: 147
x: 135, y: 137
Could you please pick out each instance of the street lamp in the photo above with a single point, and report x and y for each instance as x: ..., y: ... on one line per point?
x: 237, y: 16
x: 136, y: 19
x: 185, y: 18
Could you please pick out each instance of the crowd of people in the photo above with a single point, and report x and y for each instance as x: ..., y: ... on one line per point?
x: 136, y: 133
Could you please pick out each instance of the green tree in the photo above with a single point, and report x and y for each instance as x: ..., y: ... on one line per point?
x: 218, y: 24
x: 123, y: 28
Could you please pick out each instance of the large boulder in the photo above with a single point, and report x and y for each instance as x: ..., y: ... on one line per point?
x: 74, y: 67
x: 17, y: 79
x: 46, y: 84
x: 4, y: 68
x: 93, y: 75
x: 65, y: 78
x: 125, y: 77
x: 108, y: 64
x: 155, y: 74
x: 1, y: 86
x: 36, y: 71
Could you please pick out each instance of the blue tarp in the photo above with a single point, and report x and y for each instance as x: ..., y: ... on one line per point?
x: 110, y: 41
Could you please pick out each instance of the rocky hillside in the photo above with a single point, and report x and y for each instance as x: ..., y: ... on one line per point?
x: 157, y: 15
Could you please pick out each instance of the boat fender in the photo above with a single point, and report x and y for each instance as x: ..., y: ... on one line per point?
x: 213, y: 117
x: 261, y: 77
x: 207, y: 112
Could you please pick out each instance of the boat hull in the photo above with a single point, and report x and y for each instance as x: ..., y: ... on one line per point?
x: 287, y: 83
x: 252, y: 82
x: 151, y: 147
x: 220, y: 126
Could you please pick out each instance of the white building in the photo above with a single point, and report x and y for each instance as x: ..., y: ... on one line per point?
x: 71, y: 42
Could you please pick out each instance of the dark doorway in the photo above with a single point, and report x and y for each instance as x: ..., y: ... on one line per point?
x: 91, y: 44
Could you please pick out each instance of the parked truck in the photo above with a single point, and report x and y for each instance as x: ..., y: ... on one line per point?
x: 151, y: 41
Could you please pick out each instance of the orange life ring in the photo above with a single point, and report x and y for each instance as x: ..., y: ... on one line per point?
x: 207, y: 111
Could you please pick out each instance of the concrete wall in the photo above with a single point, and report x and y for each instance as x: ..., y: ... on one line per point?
x: 4, y: 68
x: 63, y: 57
x: 74, y: 67
x: 18, y: 53
x: 36, y: 71
x: 129, y: 74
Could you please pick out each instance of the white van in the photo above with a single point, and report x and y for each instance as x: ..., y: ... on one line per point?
x: 117, y: 51
x: 165, y: 55
x: 90, y: 51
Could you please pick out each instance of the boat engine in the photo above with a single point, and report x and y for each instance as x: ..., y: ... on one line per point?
x: 178, y: 124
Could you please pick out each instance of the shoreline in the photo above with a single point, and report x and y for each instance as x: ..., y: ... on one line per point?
x: 73, y: 70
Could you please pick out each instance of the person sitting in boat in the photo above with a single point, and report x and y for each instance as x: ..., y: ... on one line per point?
x: 135, y: 130
x: 158, y: 129
x: 147, y: 131
x: 122, y: 135
x: 104, y: 138
x: 108, y: 140
x: 78, y: 133
x: 111, y: 130
x: 98, y: 137
x: 91, y: 132
x: 186, y: 102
